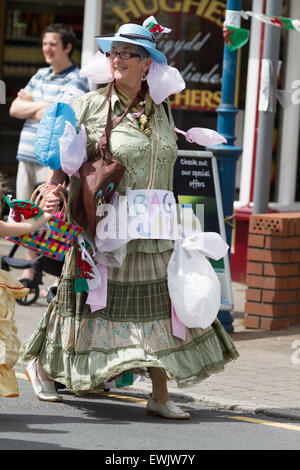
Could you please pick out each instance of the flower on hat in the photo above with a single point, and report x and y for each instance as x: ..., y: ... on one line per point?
x: 151, y: 24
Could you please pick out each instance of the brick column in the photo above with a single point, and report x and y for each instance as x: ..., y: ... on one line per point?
x: 273, y: 271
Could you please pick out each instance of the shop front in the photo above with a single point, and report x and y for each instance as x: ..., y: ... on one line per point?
x: 195, y: 47
x: 284, y: 184
x: 22, y: 23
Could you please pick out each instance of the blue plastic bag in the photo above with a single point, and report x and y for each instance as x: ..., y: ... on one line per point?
x: 50, y: 129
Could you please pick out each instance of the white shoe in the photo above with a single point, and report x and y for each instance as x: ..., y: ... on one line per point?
x: 45, y: 391
x: 168, y: 410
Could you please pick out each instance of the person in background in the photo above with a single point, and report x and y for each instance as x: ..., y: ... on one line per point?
x: 10, y: 289
x: 45, y: 87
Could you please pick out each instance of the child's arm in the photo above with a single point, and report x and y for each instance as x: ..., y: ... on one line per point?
x: 15, y: 229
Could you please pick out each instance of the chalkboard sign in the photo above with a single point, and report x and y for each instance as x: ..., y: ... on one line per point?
x: 196, y: 184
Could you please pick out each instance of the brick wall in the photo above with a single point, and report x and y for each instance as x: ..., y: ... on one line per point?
x: 273, y: 271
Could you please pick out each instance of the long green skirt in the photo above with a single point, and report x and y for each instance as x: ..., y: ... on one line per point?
x: 83, y: 349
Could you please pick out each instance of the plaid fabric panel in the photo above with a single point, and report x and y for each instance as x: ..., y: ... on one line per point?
x: 125, y: 302
x: 138, y: 291
x: 142, y: 296
x: 137, y: 302
x: 139, y: 267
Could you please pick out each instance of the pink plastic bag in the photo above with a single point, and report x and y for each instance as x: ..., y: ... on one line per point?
x: 97, y: 297
x: 202, y: 136
x: 178, y: 328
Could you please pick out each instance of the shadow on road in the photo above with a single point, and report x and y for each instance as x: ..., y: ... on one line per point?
x: 118, y: 411
x: 18, y: 444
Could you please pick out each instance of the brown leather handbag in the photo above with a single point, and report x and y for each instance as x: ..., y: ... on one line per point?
x: 100, y: 176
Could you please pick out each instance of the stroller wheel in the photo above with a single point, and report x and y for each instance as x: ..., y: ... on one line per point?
x: 33, y: 294
x: 51, y: 293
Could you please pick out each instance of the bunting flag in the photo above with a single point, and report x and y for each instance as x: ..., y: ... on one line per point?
x: 279, y: 21
x: 235, y: 37
x: 124, y: 379
x: 87, y: 275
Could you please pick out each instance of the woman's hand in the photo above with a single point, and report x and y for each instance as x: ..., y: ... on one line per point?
x: 51, y: 202
x: 16, y: 229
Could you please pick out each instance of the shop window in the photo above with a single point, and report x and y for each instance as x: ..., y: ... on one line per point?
x: 21, y: 56
x: 195, y: 46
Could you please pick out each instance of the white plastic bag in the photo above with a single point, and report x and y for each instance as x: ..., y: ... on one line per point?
x: 163, y: 81
x: 72, y: 148
x: 111, y: 250
x: 210, y: 244
x: 70, y: 94
x: 98, y: 69
x: 113, y: 258
x: 194, y: 287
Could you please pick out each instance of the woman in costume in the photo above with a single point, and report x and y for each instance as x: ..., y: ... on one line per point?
x: 83, y: 347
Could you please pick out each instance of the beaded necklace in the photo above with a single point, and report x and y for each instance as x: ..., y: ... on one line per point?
x: 140, y: 116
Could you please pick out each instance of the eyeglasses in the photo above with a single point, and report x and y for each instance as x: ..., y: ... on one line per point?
x: 123, y: 55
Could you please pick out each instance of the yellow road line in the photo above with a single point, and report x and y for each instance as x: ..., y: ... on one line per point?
x: 122, y: 397
x: 290, y: 427
x: 105, y: 394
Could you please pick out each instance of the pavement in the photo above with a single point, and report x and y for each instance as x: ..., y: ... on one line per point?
x: 263, y: 380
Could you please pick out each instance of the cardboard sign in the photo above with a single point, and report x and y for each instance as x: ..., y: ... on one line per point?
x: 152, y: 214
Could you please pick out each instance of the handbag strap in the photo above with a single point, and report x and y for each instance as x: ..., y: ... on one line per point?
x: 103, y: 146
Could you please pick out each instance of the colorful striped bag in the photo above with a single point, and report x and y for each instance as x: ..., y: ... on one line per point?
x: 54, y: 241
